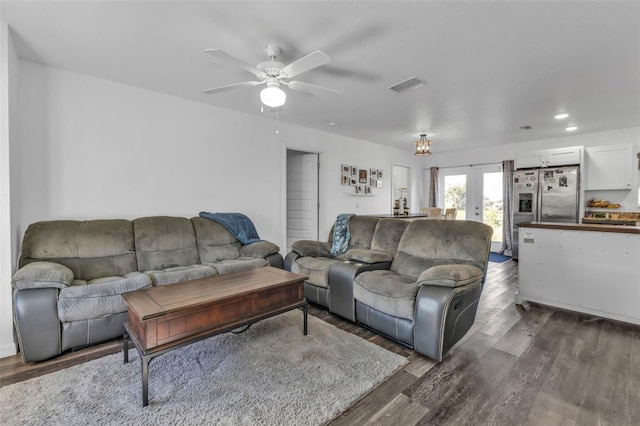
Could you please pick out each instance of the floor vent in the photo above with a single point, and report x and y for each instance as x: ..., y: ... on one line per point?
x: 410, y: 83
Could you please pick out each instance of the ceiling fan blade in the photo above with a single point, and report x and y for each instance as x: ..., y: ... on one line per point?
x: 306, y: 63
x: 233, y: 60
x: 310, y: 88
x: 232, y: 86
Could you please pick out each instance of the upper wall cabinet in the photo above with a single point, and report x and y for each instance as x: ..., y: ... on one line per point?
x: 549, y: 157
x: 609, y: 167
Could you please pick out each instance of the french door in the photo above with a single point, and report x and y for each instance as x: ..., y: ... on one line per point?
x: 476, y: 191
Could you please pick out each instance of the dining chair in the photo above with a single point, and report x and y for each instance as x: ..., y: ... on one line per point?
x: 434, y: 213
x: 450, y: 213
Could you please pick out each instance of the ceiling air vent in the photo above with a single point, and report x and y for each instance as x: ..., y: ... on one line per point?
x: 410, y: 83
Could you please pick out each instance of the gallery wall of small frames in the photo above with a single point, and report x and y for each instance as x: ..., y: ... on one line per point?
x: 362, y: 180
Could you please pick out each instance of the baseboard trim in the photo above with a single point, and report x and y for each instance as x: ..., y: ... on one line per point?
x: 8, y: 349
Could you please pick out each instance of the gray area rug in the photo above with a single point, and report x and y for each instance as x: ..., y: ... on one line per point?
x: 269, y: 375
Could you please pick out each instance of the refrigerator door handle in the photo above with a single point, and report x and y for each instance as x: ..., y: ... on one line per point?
x: 537, y: 201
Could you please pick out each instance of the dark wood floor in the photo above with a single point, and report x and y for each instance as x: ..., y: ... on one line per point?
x: 531, y: 365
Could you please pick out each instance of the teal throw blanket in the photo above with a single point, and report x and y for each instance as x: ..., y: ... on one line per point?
x: 341, y: 235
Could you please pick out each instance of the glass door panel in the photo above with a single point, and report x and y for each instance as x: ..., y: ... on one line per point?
x: 476, y: 191
x: 455, y: 194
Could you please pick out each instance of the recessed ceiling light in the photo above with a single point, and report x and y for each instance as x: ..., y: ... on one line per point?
x: 526, y: 127
x: 333, y: 123
x: 561, y: 116
x: 571, y: 128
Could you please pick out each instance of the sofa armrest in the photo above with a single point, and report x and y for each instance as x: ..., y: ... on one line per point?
x: 454, y: 275
x: 260, y: 249
x: 443, y: 315
x: 275, y: 260
x: 312, y: 248
x: 37, y: 323
x: 42, y: 275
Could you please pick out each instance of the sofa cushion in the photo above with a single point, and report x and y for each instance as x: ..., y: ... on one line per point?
x: 368, y: 256
x: 316, y: 268
x: 427, y: 243
x: 91, y: 249
x: 215, y: 243
x: 450, y: 275
x: 238, y: 265
x: 164, y: 242
x: 179, y: 274
x: 361, y: 229
x: 99, y: 297
x: 387, y: 292
x: 42, y: 275
x: 388, y: 234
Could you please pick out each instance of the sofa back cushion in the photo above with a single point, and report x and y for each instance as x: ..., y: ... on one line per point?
x: 427, y: 243
x: 387, y: 235
x: 91, y: 249
x: 215, y: 243
x: 164, y: 242
x: 361, y: 229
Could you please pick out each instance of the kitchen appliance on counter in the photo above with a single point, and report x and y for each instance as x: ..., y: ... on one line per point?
x: 545, y: 195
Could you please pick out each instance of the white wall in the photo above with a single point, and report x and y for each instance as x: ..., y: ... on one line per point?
x: 91, y: 149
x: 9, y: 205
x: 498, y: 153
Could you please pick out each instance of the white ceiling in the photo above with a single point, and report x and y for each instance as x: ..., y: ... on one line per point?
x: 490, y: 67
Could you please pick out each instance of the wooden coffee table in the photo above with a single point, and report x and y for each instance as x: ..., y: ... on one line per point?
x: 167, y: 317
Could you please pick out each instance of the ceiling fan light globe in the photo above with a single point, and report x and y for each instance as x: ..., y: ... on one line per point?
x: 273, y: 97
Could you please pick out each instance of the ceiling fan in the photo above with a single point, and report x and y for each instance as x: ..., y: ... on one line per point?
x: 274, y: 74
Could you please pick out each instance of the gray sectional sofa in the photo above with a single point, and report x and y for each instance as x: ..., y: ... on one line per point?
x: 67, y: 290
x: 417, y: 282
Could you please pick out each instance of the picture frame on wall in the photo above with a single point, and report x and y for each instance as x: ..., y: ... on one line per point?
x: 354, y: 171
x: 353, y: 181
x: 379, y: 183
x: 379, y: 174
x: 358, y: 189
x: 345, y: 179
x: 362, y: 176
x: 373, y: 173
x: 367, y: 189
x: 373, y: 182
x: 346, y: 169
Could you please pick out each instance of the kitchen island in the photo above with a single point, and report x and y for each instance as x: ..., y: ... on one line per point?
x: 587, y: 268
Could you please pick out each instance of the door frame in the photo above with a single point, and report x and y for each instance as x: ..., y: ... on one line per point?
x: 291, y: 147
x: 475, y: 192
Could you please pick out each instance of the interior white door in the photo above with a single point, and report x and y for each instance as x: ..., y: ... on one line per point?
x: 302, y: 197
x: 476, y: 191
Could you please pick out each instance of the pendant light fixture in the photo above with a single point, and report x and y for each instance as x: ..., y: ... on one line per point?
x: 272, y: 95
x: 423, y: 145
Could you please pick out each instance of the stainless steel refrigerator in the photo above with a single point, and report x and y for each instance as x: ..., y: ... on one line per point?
x: 545, y: 195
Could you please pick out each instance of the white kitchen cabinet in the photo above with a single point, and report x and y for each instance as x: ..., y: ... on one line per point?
x: 549, y: 158
x: 609, y: 167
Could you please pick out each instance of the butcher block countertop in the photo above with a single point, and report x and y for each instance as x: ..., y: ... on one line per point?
x: 582, y: 227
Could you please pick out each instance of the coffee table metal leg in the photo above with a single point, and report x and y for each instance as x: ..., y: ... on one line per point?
x: 144, y: 362
x: 125, y: 347
x: 304, y: 310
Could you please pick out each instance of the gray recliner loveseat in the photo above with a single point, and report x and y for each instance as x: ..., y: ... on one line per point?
x: 67, y: 290
x: 417, y: 282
